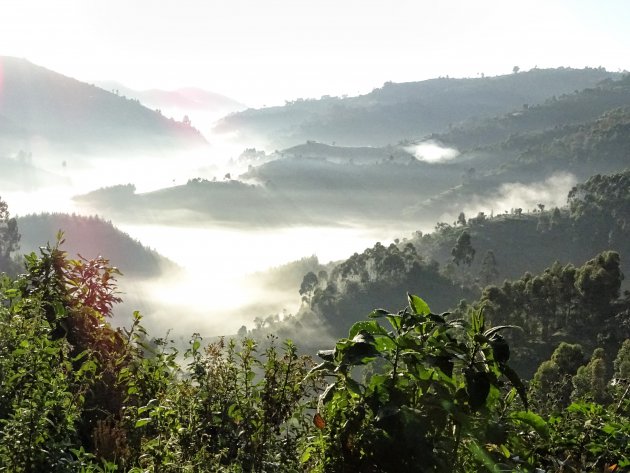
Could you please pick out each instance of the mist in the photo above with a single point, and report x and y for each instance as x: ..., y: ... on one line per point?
x: 431, y: 151
x: 224, y: 283
x: 551, y: 192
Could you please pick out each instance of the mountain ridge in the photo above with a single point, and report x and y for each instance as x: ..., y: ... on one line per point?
x: 53, y: 110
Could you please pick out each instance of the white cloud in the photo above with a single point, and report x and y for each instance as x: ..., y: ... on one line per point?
x: 432, y: 152
x: 552, y: 192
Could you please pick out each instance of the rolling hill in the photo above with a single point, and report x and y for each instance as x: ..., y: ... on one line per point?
x: 41, y: 109
x: 403, y: 111
x: 91, y: 237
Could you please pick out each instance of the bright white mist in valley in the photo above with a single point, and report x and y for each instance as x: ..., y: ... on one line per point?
x: 218, y: 289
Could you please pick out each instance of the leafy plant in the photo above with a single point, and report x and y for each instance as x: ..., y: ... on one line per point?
x: 424, y: 394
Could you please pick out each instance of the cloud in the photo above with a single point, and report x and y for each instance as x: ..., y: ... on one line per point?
x: 552, y: 192
x: 432, y: 152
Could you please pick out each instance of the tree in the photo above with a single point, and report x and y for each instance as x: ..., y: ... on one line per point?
x: 488, y: 271
x: 591, y: 380
x: 622, y: 362
x: 599, y: 282
x: 308, y: 286
x: 461, y: 219
x: 9, y: 239
x: 515, y: 69
x: 463, y: 252
x: 552, y: 385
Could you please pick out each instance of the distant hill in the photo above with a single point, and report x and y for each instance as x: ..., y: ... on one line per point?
x: 600, y: 145
x: 411, y: 110
x: 20, y: 174
x: 186, y: 98
x: 288, y: 191
x: 41, y: 108
x: 597, y: 219
x: 315, y: 183
x: 91, y: 237
x: 347, y: 154
x: 566, y: 109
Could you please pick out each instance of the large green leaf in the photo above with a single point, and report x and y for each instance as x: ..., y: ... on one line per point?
x: 359, y: 353
x: 534, y: 421
x: 377, y: 313
x: 328, y: 355
x: 370, y: 326
x: 417, y: 305
x: 516, y: 381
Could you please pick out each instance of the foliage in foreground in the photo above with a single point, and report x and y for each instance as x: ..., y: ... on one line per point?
x: 420, y: 392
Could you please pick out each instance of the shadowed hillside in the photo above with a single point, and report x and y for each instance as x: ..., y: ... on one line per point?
x: 405, y: 111
x: 41, y: 108
x: 92, y: 237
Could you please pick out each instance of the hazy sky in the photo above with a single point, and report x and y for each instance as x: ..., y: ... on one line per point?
x: 265, y: 51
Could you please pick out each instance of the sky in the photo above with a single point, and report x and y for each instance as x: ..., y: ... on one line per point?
x: 263, y: 52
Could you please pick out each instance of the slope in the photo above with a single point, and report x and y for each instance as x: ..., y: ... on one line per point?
x: 43, y: 108
x: 405, y: 111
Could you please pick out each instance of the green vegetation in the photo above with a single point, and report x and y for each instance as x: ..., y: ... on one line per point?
x: 410, y: 390
x: 422, y: 392
x: 9, y: 240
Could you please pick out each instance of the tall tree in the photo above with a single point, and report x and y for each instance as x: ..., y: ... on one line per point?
x: 488, y: 271
x: 463, y: 252
x: 9, y: 239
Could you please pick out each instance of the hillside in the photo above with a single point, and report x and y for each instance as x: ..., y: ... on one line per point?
x: 572, y: 108
x: 40, y: 109
x: 91, y: 237
x: 403, y: 111
x: 288, y: 191
x: 185, y: 98
x: 533, y: 161
x: 515, y: 247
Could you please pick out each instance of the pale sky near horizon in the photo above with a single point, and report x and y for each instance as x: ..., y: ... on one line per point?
x: 265, y: 51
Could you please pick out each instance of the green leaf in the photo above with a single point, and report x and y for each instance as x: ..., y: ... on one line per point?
x: 324, y: 366
x: 478, y: 388
x: 327, y: 394
x: 353, y: 386
x: 306, y: 455
x: 377, y: 313
x: 505, y: 451
x: 491, y: 331
x: 385, y: 344
x: 477, y: 321
x: 480, y: 454
x: 328, y: 355
x: 369, y: 326
x: 534, y: 421
x: 363, y: 337
x: 142, y: 422
x: 515, y: 379
x: 395, y: 321
x: 417, y: 305
x: 359, y: 353
x: 11, y: 293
